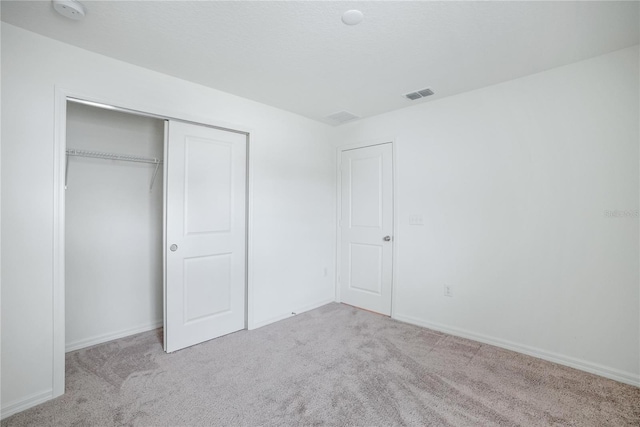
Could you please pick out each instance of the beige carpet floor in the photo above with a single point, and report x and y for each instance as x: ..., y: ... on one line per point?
x: 335, y: 366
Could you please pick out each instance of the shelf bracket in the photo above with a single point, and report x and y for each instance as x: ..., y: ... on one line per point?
x: 155, y: 173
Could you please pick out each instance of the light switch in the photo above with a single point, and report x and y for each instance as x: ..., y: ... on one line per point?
x: 416, y: 219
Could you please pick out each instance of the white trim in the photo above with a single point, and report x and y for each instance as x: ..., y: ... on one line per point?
x: 160, y: 113
x: 99, y: 339
x: 394, y: 211
x: 300, y: 310
x: 58, y: 303
x: 0, y: 245
x: 396, y: 234
x: 165, y: 151
x: 249, y: 321
x: 26, y: 403
x: 338, y: 222
x: 583, y: 365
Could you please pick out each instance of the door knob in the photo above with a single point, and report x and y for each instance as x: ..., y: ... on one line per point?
x: 387, y: 238
x: 173, y: 247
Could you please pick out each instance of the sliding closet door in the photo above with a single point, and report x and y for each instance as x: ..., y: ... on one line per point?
x: 205, y: 234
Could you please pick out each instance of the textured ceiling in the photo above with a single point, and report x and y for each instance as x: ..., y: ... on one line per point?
x: 298, y: 56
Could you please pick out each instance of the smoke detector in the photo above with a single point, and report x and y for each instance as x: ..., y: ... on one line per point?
x: 352, y: 17
x: 71, y: 9
x: 422, y: 93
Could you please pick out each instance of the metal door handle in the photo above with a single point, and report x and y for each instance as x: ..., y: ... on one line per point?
x: 387, y: 238
x: 173, y: 247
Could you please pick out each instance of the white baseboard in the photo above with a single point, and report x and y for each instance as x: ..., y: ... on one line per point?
x: 298, y: 310
x: 99, y: 339
x: 28, y: 402
x: 583, y: 365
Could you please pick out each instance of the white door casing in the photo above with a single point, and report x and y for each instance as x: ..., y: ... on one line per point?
x: 366, y: 227
x: 205, y: 251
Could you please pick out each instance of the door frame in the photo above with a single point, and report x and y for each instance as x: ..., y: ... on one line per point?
x: 62, y: 96
x: 394, y: 177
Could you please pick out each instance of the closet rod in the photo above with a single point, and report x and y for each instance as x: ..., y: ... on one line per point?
x: 112, y: 156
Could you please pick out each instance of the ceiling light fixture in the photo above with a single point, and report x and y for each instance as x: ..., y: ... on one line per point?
x: 71, y: 9
x: 352, y: 17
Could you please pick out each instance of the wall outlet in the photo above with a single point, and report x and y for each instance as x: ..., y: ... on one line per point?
x: 448, y: 291
x: 325, y: 272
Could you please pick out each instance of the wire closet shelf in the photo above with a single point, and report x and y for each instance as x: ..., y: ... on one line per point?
x: 73, y: 152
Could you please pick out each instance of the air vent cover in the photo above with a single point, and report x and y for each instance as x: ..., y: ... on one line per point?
x: 419, y: 94
x: 342, y: 117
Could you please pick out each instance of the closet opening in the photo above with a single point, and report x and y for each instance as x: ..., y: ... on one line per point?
x: 151, y: 228
x: 114, y: 180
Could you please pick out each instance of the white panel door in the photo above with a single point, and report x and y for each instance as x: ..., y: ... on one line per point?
x: 366, y: 225
x: 205, y: 234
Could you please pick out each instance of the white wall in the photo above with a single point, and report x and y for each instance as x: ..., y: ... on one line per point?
x: 514, y: 182
x: 292, y: 174
x: 113, y: 273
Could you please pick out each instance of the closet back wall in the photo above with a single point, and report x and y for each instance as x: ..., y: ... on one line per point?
x: 113, y: 227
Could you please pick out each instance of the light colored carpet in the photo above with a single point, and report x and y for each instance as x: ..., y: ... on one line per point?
x: 335, y: 365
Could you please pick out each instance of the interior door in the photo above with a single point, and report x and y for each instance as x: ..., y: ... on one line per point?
x: 366, y: 225
x: 205, y: 234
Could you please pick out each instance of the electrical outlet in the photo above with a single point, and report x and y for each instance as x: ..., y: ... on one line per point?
x: 325, y: 272
x: 448, y: 291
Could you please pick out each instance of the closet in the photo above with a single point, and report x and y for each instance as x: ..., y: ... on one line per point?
x: 113, y: 225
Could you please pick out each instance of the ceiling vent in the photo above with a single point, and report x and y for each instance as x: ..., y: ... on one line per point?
x: 422, y: 93
x: 342, y: 117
